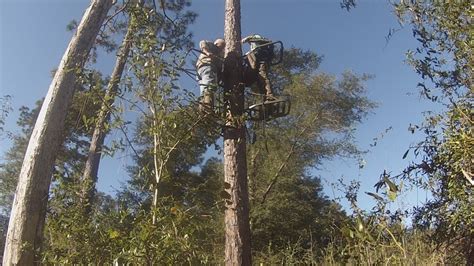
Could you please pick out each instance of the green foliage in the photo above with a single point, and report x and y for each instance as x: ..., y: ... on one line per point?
x: 71, y: 154
x: 379, y: 236
x: 114, y: 232
x: 446, y: 171
x: 3, y: 232
x: 444, y: 56
x: 5, y: 109
x: 357, y: 252
x: 288, y: 208
x: 407, y: 248
x: 165, y: 213
x: 192, y: 197
x: 444, y: 60
x: 178, y: 237
x: 70, y: 237
x: 187, y: 230
x: 296, y: 213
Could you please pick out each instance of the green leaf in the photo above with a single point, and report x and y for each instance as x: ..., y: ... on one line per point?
x: 377, y: 197
x: 391, y: 186
x: 392, y: 195
x: 84, y: 119
x: 113, y: 234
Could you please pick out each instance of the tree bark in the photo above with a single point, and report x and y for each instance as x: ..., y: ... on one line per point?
x: 29, y: 206
x: 91, y: 169
x: 237, y: 227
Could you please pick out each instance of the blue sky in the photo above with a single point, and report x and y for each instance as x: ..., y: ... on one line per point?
x: 33, y: 38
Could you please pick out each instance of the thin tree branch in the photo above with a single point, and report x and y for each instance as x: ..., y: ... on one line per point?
x: 285, y: 162
x: 122, y: 129
x: 120, y: 10
x: 163, y: 8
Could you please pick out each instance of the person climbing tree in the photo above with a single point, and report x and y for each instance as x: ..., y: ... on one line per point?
x: 209, y: 68
x: 258, y: 61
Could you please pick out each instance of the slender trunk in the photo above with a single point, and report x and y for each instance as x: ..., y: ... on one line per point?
x: 158, y: 163
x: 91, y: 169
x: 237, y: 227
x: 29, y: 206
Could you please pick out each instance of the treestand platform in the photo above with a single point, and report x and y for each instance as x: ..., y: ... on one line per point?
x: 269, y: 110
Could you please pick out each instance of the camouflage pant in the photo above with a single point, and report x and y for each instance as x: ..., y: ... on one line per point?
x: 257, y: 72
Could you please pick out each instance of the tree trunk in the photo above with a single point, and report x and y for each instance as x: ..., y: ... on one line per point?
x: 237, y: 227
x: 29, y: 206
x: 91, y: 169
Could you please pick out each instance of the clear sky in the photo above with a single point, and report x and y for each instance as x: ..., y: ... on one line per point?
x: 33, y: 38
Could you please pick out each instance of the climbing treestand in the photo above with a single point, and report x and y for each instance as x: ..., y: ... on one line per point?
x: 267, y: 109
x: 257, y: 107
